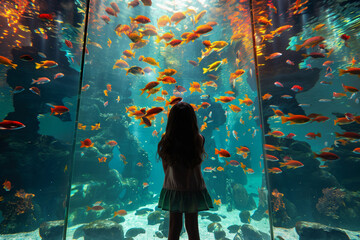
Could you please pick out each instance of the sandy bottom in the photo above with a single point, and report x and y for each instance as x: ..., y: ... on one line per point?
x: 133, y: 220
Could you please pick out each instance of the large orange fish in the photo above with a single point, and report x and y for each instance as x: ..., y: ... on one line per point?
x: 295, y: 119
x: 222, y: 153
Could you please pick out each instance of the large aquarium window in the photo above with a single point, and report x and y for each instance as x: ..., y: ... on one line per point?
x: 86, y: 88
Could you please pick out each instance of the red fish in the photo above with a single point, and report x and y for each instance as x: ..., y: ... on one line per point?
x: 326, y: 156
x: 291, y: 164
x: 275, y: 170
x: 120, y: 213
x: 110, y: 11
x: 46, y: 16
x: 68, y: 43
x: 222, y: 153
x: 312, y: 135
x: 59, y: 110
x: 140, y: 19
x: 86, y: 143
x: 11, y: 125
x: 233, y: 163
x: 95, y: 208
x: 7, y: 185
x: 297, y: 88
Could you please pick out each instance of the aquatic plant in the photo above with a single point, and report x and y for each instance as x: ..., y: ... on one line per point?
x: 329, y: 203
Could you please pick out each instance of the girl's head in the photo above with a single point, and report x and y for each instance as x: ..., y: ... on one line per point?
x: 181, y: 142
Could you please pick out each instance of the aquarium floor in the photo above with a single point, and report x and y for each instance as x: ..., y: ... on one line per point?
x: 133, y: 220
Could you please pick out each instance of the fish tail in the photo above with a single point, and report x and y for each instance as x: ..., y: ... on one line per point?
x: 205, y: 70
x: 341, y: 72
x: 319, y: 134
x: 315, y: 155
x: 266, y: 58
x: 216, y: 99
x: 88, y: 208
x: 132, y: 19
x: 227, y: 162
x: 33, y: 81
x: 216, y: 151
x: 284, y: 119
x: 199, y: 59
x: 142, y: 91
x: 298, y: 47
x: 115, y: 214
x: 335, y: 122
x: 305, y: 55
x: 14, y: 65
x: 158, y: 39
x: 167, y: 103
x: 337, y: 134
x: 282, y: 164
x: 38, y: 65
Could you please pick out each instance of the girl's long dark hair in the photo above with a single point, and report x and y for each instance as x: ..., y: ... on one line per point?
x: 181, y: 143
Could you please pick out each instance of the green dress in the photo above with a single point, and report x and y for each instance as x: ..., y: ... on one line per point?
x: 184, y: 190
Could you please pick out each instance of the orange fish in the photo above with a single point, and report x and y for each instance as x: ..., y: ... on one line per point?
x: 168, y: 72
x: 145, y: 184
x: 177, y: 17
x: 95, y: 208
x: 106, y: 93
x: 120, y: 213
x: 312, y: 135
x: 276, y: 134
x: 112, y: 143
x: 7, y: 185
x: 269, y: 147
x: 95, y: 127
x: 81, y: 126
x: 217, y: 202
x: 350, y: 88
x: 275, y: 170
x: 102, y: 159
x: 311, y: 42
x: 140, y: 19
x: 234, y: 108
x: 222, y: 153
x: 247, y: 101
x: 203, y: 126
x: 291, y: 164
x: 139, y: 164
x: 220, y: 169
x: 86, y: 143
x: 295, y: 119
x: 163, y: 21
x: 224, y: 99
x: 277, y: 112
x: 195, y: 86
x: 58, y: 110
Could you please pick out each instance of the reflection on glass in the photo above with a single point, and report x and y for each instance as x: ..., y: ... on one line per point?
x: 308, y: 70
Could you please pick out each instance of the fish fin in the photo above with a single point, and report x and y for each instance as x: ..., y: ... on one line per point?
x: 88, y: 208
x: 205, y: 70
x: 216, y: 151
x: 14, y: 65
x: 342, y: 72
x: 216, y: 99
x: 298, y: 47
x: 337, y: 134
x: 131, y: 19
x: 284, y: 119
x: 38, y: 65
x: 227, y: 162
x: 282, y: 164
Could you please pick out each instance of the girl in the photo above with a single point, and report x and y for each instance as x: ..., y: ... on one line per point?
x: 181, y: 149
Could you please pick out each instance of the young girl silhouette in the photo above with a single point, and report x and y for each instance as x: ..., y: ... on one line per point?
x: 181, y: 149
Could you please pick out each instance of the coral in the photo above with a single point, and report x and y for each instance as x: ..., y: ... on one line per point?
x: 23, y: 203
x: 328, y: 204
x: 276, y: 199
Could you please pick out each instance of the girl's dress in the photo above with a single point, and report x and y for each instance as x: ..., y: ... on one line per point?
x: 184, y: 190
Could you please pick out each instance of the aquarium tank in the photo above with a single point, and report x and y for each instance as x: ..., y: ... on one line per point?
x: 86, y: 87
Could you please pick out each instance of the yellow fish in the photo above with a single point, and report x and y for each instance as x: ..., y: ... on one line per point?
x: 106, y: 92
x: 109, y: 42
x: 217, y: 202
x: 81, y: 126
x: 95, y: 127
x: 214, y: 66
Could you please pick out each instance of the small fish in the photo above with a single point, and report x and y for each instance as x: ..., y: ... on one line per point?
x: 222, y: 153
x: 273, y: 55
x: 233, y: 163
x: 278, y: 84
x: 7, y: 185
x: 95, y: 208
x: 209, y: 169
x: 58, y: 75
x: 312, y: 135
x: 86, y: 143
x: 41, y: 80
x: 217, y: 202
x: 290, y: 62
x: 106, y: 103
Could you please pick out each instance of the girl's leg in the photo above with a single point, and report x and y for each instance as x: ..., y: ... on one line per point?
x: 175, y: 225
x: 191, y: 224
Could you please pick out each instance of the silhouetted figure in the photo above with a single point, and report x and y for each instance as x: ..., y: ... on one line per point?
x: 181, y: 149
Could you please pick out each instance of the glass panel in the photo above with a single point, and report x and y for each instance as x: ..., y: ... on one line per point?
x: 41, y: 46
x: 308, y: 69
x: 128, y: 71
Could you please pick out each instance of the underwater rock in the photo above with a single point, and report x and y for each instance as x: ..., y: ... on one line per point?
x: 313, y: 231
x: 143, y: 211
x: 133, y: 232
x: 154, y: 218
x: 164, y: 226
x: 219, y: 233
x: 214, y: 217
x: 159, y: 234
x: 233, y: 228
x: 79, y: 232
x: 248, y: 232
x: 52, y: 230
x: 212, y: 226
x: 103, y: 230
x: 259, y: 213
x: 244, y: 216
x: 242, y: 200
